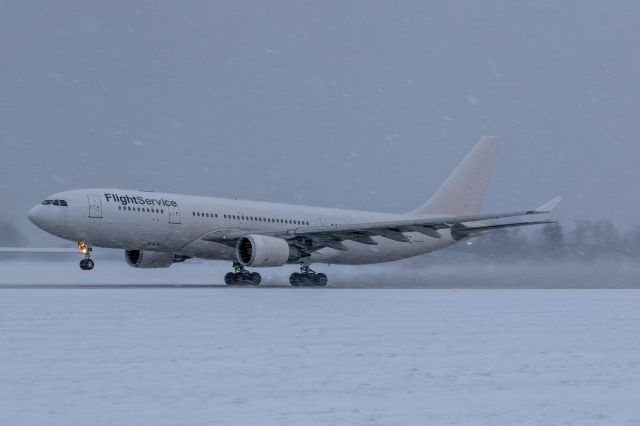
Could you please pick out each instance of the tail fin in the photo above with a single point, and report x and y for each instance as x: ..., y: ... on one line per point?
x: 463, y: 193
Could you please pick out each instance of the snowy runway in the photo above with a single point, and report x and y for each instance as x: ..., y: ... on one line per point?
x: 319, y: 356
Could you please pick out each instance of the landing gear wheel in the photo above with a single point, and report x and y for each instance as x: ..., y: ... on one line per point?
x: 307, y: 278
x: 85, y: 249
x: 321, y: 279
x: 242, y: 277
x: 86, y: 264
x: 295, y: 279
x: 255, y: 278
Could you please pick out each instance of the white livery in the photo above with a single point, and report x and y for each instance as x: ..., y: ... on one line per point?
x: 158, y: 229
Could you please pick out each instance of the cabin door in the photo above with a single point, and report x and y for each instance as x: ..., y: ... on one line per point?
x: 95, y: 206
x: 174, y: 214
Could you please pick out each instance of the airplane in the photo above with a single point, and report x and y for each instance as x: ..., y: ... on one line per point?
x: 156, y: 230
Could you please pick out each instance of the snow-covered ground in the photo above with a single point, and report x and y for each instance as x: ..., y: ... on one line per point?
x: 64, y: 271
x: 261, y: 356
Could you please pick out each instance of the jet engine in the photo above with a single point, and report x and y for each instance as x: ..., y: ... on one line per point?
x: 150, y: 259
x: 262, y: 251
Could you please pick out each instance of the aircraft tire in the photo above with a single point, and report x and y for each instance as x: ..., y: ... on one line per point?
x: 87, y: 264
x: 295, y: 279
x: 229, y: 278
x: 321, y: 280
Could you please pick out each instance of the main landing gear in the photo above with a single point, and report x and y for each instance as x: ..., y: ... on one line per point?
x: 307, y: 278
x: 85, y: 249
x: 241, y: 276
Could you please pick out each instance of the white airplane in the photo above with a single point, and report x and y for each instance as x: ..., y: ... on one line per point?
x: 158, y: 229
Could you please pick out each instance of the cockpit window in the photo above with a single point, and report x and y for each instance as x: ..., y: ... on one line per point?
x: 56, y: 202
x: 63, y: 203
x: 46, y: 202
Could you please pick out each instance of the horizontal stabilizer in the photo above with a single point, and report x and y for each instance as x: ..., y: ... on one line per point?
x: 461, y: 232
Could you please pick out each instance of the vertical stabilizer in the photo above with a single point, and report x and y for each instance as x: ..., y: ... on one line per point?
x: 463, y: 193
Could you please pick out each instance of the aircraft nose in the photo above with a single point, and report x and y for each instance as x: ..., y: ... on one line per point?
x: 36, y: 216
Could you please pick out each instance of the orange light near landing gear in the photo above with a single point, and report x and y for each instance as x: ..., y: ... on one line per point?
x: 84, y: 248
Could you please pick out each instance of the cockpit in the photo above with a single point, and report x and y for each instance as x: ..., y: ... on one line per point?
x: 59, y: 203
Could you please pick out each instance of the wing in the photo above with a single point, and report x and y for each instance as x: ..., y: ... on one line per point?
x: 312, y: 238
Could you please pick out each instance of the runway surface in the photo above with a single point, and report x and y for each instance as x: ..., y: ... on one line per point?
x: 193, y: 274
x: 194, y: 356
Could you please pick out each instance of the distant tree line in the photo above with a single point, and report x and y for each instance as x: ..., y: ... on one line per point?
x: 585, y: 240
x: 10, y: 235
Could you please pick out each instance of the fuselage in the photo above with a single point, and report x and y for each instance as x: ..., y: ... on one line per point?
x: 175, y: 223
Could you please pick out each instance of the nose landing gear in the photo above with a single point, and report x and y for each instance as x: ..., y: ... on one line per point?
x: 85, y: 249
x: 307, y: 278
x: 241, y: 276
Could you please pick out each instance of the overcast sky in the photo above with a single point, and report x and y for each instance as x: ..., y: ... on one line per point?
x: 357, y: 104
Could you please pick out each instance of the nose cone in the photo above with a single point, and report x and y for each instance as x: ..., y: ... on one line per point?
x: 37, y: 216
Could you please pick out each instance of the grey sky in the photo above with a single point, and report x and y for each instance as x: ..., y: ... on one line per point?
x: 358, y: 104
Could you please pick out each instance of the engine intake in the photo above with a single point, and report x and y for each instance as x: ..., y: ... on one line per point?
x: 262, y: 251
x: 150, y: 259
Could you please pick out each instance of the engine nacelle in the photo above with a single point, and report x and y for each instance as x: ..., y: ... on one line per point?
x: 262, y: 251
x: 150, y: 259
